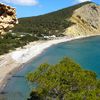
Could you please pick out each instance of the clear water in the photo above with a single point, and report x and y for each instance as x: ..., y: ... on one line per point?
x: 84, y: 51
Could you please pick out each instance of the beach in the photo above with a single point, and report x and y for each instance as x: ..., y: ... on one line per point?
x: 15, y: 60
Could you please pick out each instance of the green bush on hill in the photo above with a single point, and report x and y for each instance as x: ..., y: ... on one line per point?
x: 64, y: 81
x: 9, y: 42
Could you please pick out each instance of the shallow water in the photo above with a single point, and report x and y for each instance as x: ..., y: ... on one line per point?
x: 86, y: 52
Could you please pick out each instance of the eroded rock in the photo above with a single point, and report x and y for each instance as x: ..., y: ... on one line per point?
x: 86, y: 19
x: 7, y: 18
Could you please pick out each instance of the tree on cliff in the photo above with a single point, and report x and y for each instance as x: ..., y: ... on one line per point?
x: 64, y: 81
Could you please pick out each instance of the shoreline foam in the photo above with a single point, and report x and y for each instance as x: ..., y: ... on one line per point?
x: 15, y: 60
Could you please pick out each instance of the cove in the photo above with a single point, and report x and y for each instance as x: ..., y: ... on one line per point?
x: 85, y: 51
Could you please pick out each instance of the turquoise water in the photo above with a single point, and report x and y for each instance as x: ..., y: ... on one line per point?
x: 86, y: 52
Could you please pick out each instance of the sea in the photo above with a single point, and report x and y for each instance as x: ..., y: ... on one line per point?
x: 85, y: 52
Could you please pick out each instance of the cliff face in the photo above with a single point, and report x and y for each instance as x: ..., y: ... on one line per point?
x: 80, y: 19
x: 86, y: 21
x: 7, y: 18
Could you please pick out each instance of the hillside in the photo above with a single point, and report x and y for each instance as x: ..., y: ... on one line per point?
x: 79, y: 20
x: 86, y: 21
x: 52, y: 23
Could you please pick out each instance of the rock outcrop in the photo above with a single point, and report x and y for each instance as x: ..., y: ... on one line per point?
x: 86, y: 21
x: 7, y: 18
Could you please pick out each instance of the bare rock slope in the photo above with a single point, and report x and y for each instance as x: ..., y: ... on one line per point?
x: 7, y: 18
x: 86, y: 21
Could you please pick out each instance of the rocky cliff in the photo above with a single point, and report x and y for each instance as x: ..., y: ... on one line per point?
x: 7, y: 18
x: 86, y: 20
x: 81, y: 19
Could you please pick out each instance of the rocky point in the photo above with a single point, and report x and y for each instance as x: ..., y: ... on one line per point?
x: 7, y: 18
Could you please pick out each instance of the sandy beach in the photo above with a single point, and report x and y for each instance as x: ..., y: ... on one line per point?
x: 13, y: 61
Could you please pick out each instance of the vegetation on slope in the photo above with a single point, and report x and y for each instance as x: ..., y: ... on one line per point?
x: 33, y: 28
x: 48, y: 24
x: 64, y: 81
x: 9, y: 42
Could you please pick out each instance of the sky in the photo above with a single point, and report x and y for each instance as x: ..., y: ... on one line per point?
x: 27, y: 8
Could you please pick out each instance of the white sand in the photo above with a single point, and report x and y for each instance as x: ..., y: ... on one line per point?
x: 14, y: 60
